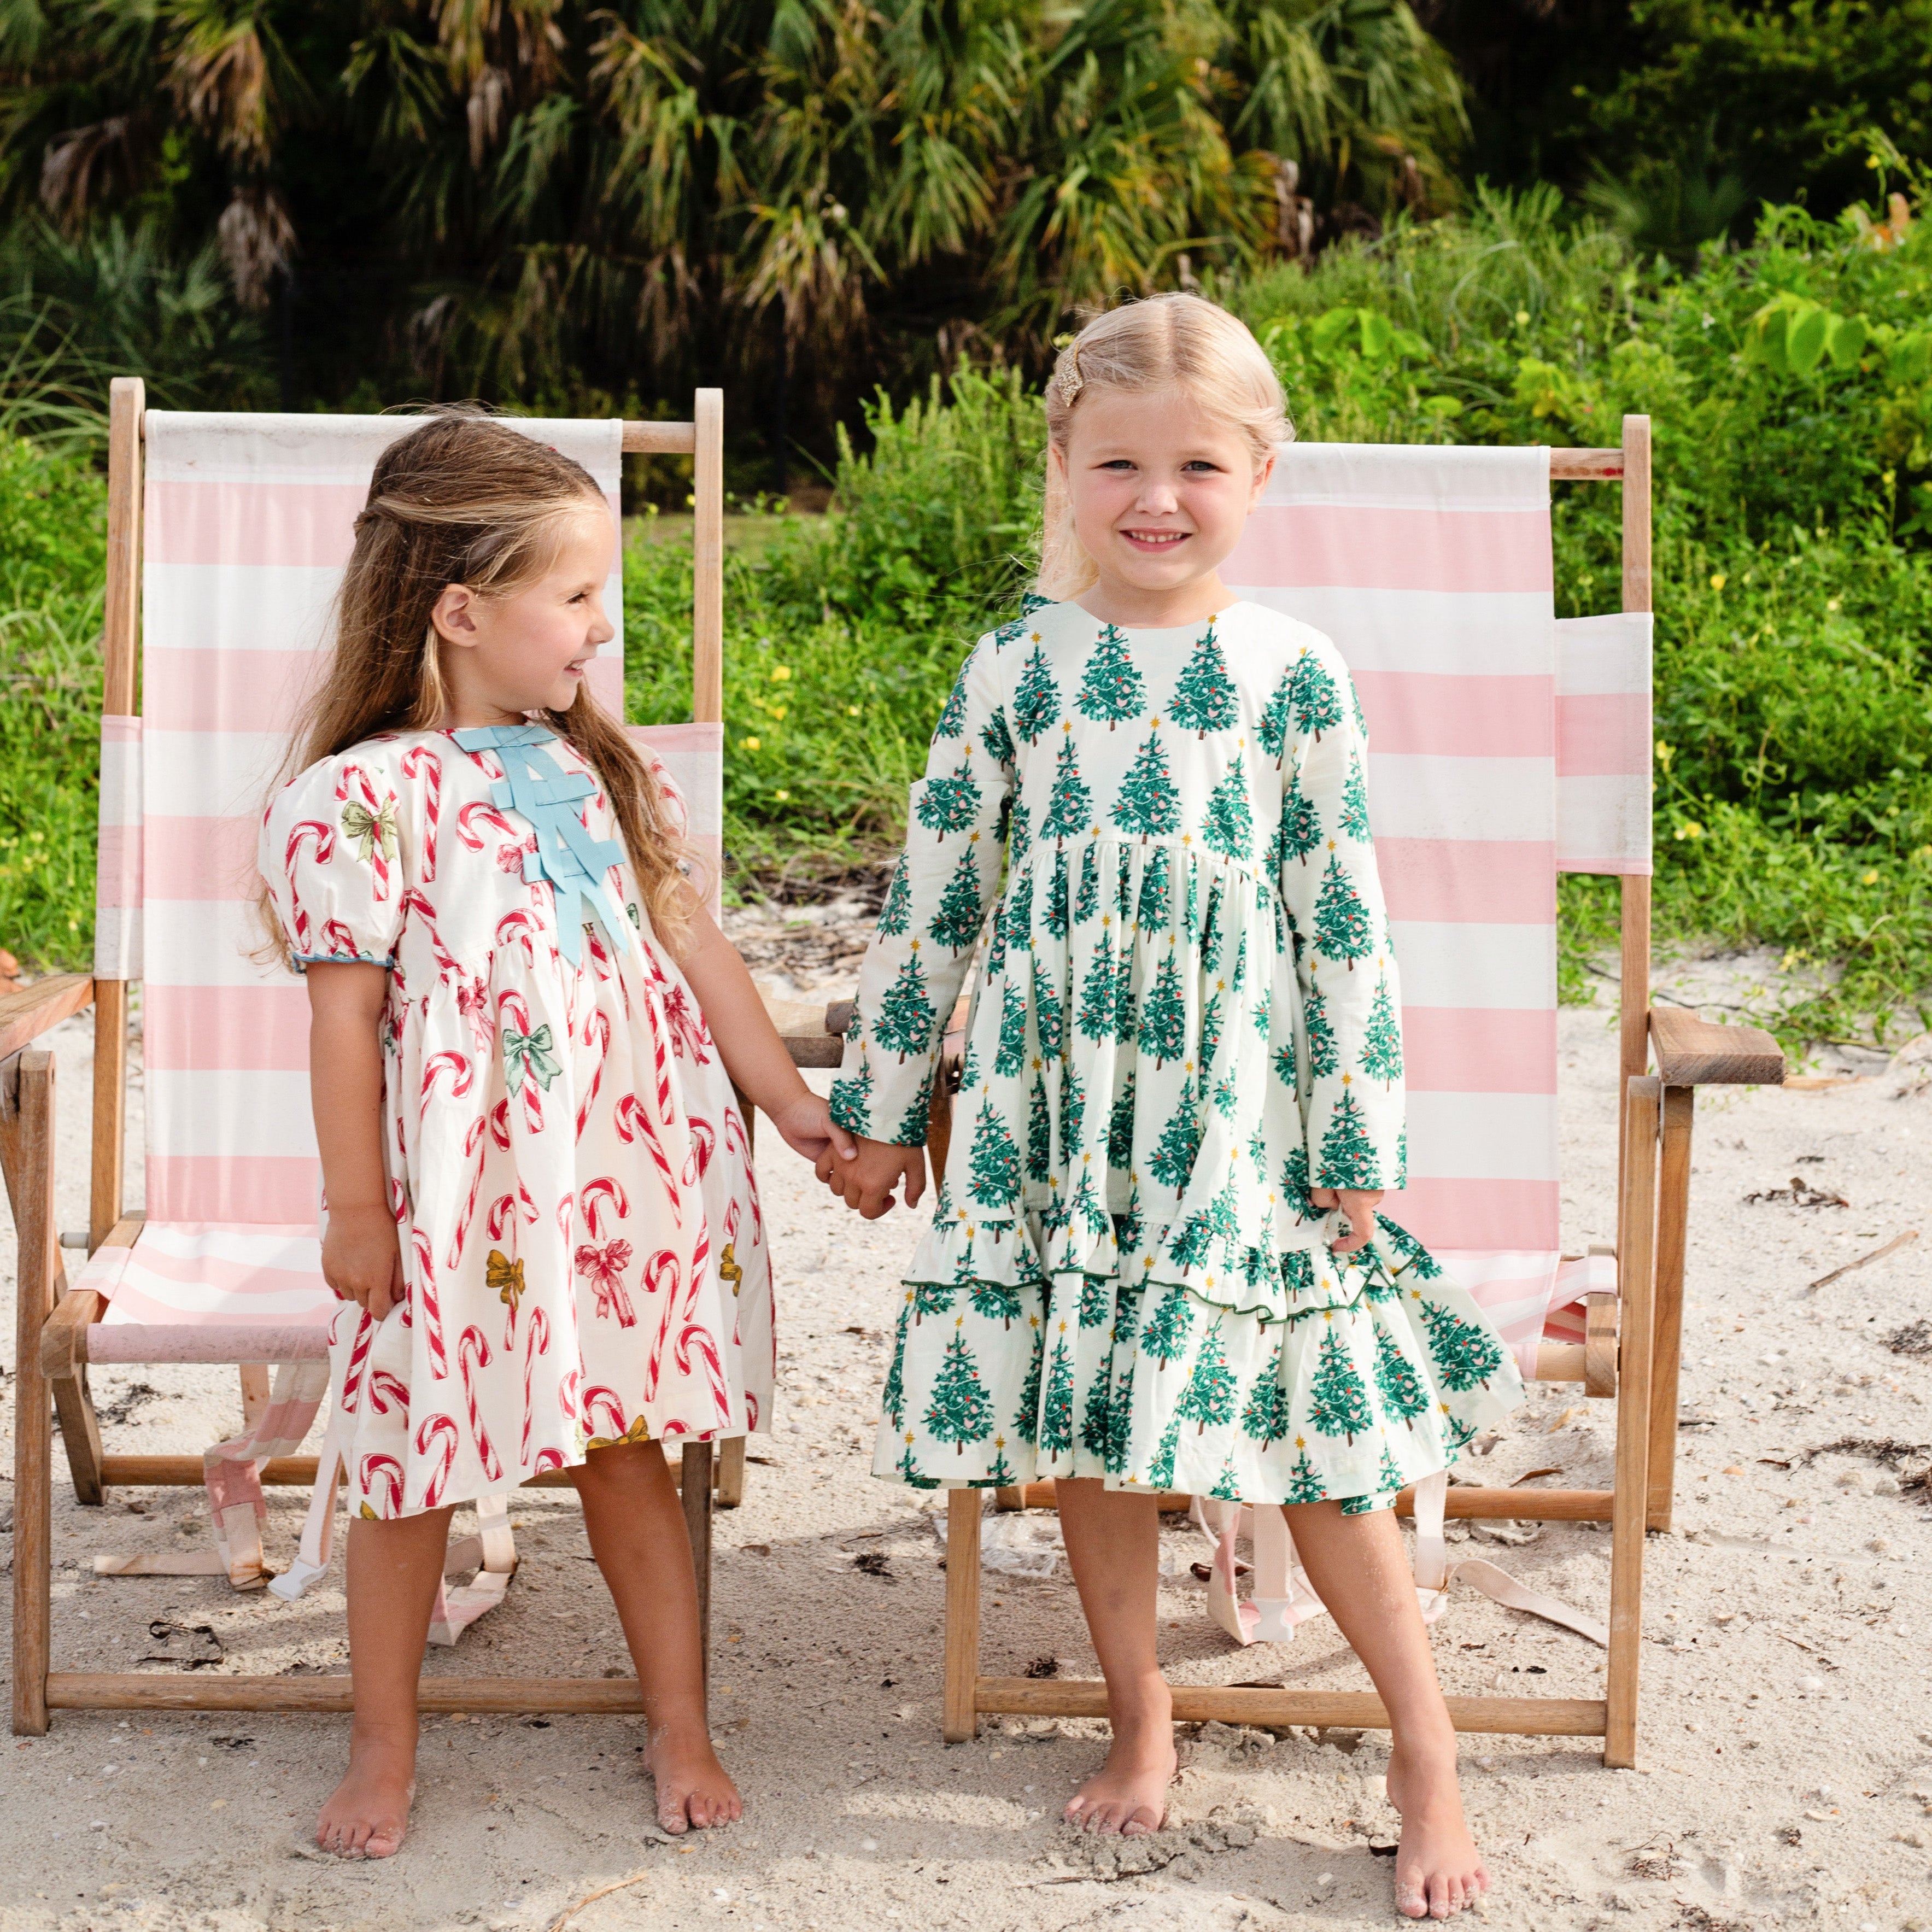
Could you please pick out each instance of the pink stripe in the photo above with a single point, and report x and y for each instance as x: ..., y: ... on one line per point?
x: 225, y: 690
x: 305, y: 524
x: 118, y: 880
x: 201, y: 858
x: 1429, y: 711
x: 117, y: 727
x: 219, y: 1275
x: 1307, y: 546
x: 245, y: 1029
x: 1486, y: 881
x: 1604, y: 735
x: 1479, y: 1050
x: 232, y: 1187
x: 1491, y: 1215
x: 1635, y: 867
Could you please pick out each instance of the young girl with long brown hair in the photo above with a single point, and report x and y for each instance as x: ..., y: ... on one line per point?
x: 540, y: 1210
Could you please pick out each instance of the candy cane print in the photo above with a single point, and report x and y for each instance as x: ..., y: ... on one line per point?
x: 597, y: 1034
x: 547, y: 1458
x: 473, y: 1144
x: 688, y: 1035
x: 661, y: 1278
x: 603, y: 1400
x: 358, y: 1358
x: 518, y: 928
x: 439, y: 1361
x: 379, y: 863
x: 751, y: 1410
x: 696, y: 1336
x: 480, y: 811
x: 703, y: 1138
x: 499, y: 1126
x: 536, y: 1342
x: 472, y: 1352
x: 385, y: 1388
x: 456, y: 1065
x: 501, y: 1216
x: 566, y: 1393
x: 391, y: 1472
x: 700, y: 1254
x: 736, y: 1141
x: 443, y: 1429
x: 338, y: 938
x: 602, y: 1192
x: 324, y: 836
x: 420, y: 759
x: 634, y: 1123
x: 566, y: 1210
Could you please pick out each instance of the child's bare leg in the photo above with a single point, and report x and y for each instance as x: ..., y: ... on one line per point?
x: 1356, y: 1565
x: 394, y: 1569
x: 636, y: 1525
x: 1113, y: 1542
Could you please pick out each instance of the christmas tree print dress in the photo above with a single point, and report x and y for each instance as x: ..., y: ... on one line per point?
x: 1189, y: 1016
x: 583, y: 1255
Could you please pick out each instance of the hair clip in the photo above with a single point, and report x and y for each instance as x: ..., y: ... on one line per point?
x: 1068, y: 379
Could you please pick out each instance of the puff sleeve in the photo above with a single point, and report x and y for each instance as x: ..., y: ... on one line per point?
x: 331, y: 856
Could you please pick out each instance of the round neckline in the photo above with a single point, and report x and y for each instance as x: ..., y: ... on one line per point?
x: 1165, y: 630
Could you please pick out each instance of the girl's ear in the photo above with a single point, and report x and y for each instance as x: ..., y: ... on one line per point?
x: 453, y: 615
x: 1263, y: 473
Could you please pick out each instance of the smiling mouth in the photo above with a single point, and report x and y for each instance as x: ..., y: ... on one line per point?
x: 1156, y: 539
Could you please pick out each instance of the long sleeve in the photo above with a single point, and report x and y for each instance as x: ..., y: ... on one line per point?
x: 945, y: 880
x: 1351, y: 1079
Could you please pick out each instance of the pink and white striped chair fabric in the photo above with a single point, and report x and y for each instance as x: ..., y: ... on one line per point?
x: 1505, y: 746
x: 248, y: 521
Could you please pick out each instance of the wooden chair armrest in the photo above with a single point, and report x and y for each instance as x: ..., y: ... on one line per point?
x: 1693, y: 1052
x: 28, y: 1012
x: 807, y: 1029
x: 63, y: 1334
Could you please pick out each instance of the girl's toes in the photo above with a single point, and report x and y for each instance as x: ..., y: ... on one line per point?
x: 1412, y: 1901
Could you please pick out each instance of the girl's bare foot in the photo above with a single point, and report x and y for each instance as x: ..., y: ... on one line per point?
x: 1128, y: 1794
x: 1437, y: 1869
x: 368, y: 1812
x: 693, y: 1788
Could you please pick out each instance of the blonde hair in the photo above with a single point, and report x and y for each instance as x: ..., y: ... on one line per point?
x: 466, y: 499
x: 1166, y: 342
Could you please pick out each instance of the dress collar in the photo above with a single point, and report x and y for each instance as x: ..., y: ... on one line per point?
x: 494, y: 737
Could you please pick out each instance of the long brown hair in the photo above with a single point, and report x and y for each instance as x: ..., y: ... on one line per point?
x: 466, y: 499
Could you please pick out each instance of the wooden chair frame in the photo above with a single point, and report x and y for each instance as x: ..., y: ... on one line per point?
x: 53, y: 1323
x: 1632, y: 1350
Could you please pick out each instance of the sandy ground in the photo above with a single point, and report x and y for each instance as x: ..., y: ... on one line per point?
x: 1787, y: 1727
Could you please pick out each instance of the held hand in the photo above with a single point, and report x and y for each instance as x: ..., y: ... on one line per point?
x: 1358, y: 1204
x: 362, y: 1257
x: 867, y: 1183
x: 806, y: 1127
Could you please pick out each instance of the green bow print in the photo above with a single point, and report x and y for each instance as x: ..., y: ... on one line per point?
x: 366, y: 829
x: 528, y: 1053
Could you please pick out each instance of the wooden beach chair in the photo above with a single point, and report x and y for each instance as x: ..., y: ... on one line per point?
x: 1506, y: 747
x: 222, y: 558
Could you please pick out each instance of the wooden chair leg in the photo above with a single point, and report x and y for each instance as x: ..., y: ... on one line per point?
x: 1673, y: 1216
x: 731, y: 1472
x: 27, y: 1156
x: 1631, y: 1503
x: 80, y: 1436
x: 695, y: 1485
x: 961, y: 1719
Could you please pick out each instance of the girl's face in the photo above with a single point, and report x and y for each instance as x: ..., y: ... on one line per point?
x: 1160, y: 490
x: 527, y: 652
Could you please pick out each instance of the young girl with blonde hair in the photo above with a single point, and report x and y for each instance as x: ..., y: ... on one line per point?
x: 1156, y: 1262
x: 540, y: 1210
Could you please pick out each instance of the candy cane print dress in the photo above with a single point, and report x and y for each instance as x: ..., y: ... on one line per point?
x: 583, y: 1255
x: 1189, y: 1017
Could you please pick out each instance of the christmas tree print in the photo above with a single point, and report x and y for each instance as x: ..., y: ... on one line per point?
x: 1096, y: 1301
x: 1211, y: 931
x: 995, y: 1299
x: 1163, y: 1029
x: 1306, y: 1485
x: 1224, y: 1095
x: 1192, y: 917
x: 1036, y: 702
x: 1273, y: 732
x: 1301, y: 830
x: 1056, y: 1419
x: 852, y: 1095
x: 1342, y: 928
x: 894, y: 914
x: 1239, y: 976
x: 1093, y: 1417
x: 1404, y: 1398
x: 1355, y: 804
x: 1000, y: 1475
x: 1338, y: 1403
x: 1049, y: 1015
x: 913, y: 1129
x: 957, y: 921
x: 1226, y: 1488
x: 1120, y: 1128
x: 996, y: 949
x: 1067, y: 802
x: 1180, y: 1141
x: 1129, y: 1227
x: 1011, y: 631
x: 906, y: 1016
x: 1210, y: 1026
x: 1019, y: 910
x: 1381, y: 1040
x: 1295, y: 1182
x: 929, y: 1298
x: 1411, y: 1257
x: 1264, y: 1419
x: 1111, y: 690
x: 1166, y: 1336
x: 1039, y: 1133
x: 1072, y: 1112
x: 1149, y: 804
x: 1123, y: 888
x: 994, y: 1161
x: 1026, y: 1417
x: 997, y: 739
x: 909, y: 1470
x: 948, y: 804
x: 952, y: 719
x: 1153, y: 913
x: 1086, y: 1205
x: 1262, y: 1013
x: 1120, y: 1424
x: 1457, y: 1434
x: 1210, y: 1392
x: 1095, y: 1018
x: 1317, y: 708
x: 1161, y: 1476
x: 969, y: 1071
x: 1010, y: 1056
x: 1230, y: 827
x: 1205, y: 699
x: 1348, y: 1158
x: 1323, y: 1058
x: 1058, y: 915
x: 1088, y: 903
x: 961, y: 1410
x: 1126, y: 1011
x: 1388, y: 1477
x: 1464, y: 1353
x: 1401, y: 1157
x: 1019, y: 831
x: 892, y: 1398
x: 1189, y: 1248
